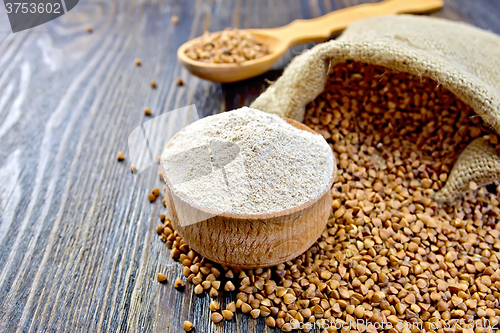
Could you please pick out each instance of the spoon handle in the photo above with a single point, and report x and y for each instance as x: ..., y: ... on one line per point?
x: 319, y: 29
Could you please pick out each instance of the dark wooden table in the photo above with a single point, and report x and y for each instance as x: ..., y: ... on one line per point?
x: 78, y: 247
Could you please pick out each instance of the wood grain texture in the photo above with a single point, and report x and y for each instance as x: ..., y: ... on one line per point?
x: 78, y: 249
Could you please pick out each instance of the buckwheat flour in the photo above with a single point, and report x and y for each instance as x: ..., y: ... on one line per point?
x: 247, y: 162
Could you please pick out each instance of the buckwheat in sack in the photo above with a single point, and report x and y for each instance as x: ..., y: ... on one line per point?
x: 463, y: 59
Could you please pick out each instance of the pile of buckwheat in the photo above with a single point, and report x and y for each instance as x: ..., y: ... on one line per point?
x: 391, y: 259
x: 228, y: 46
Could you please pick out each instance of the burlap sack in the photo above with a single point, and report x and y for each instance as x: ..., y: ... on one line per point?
x: 462, y: 58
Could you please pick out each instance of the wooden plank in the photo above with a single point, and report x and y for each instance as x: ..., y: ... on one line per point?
x: 78, y: 248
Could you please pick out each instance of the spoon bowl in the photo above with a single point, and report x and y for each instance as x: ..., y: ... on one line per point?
x: 233, y: 72
x: 300, y: 31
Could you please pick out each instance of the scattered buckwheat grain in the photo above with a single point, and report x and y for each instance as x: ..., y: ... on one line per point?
x: 161, y: 277
x: 228, y: 315
x: 214, y: 306
x: 188, y: 326
x: 217, y: 317
x: 178, y: 284
x: 120, y: 156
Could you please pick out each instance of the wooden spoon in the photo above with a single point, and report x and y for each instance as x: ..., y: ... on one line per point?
x: 251, y: 241
x: 299, y: 31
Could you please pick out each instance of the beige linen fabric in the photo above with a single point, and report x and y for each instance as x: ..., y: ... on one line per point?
x: 462, y: 58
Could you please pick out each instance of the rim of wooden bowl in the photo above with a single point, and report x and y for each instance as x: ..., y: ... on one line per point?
x: 262, y: 216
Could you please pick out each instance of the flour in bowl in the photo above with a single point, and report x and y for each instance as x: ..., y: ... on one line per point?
x: 247, y: 162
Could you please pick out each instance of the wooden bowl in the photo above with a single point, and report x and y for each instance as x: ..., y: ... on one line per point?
x: 251, y: 241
